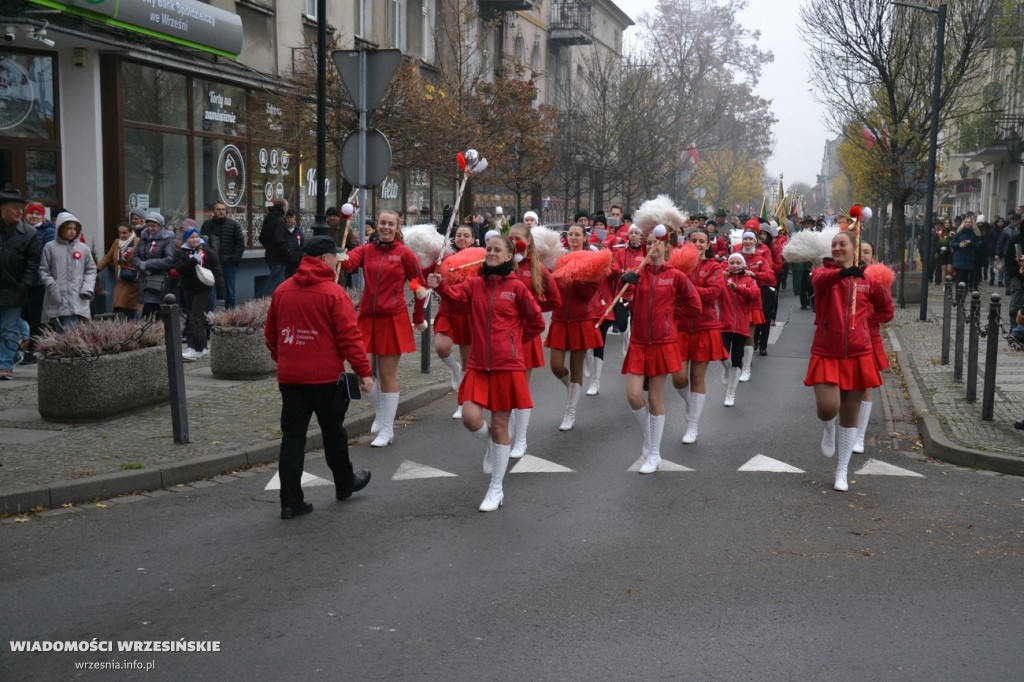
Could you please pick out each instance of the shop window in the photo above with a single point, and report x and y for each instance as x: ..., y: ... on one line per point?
x: 218, y: 108
x: 41, y: 175
x: 154, y: 96
x: 27, y: 97
x: 156, y: 173
x: 221, y: 175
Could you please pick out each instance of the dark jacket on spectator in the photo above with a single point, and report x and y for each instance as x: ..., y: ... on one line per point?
x: 275, y: 224
x: 226, y: 237
x: 19, y: 263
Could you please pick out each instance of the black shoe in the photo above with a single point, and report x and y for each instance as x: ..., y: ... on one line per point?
x: 1019, y: 425
x: 289, y: 511
x: 362, y: 478
x: 763, y: 351
x: 28, y: 358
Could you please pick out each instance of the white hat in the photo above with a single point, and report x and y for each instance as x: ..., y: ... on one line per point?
x: 66, y: 217
x: 739, y: 256
x: 531, y: 214
x: 498, y: 210
x: 750, y: 234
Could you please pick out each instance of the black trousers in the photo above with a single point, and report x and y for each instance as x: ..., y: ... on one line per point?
x: 734, y: 343
x: 605, y: 326
x: 770, y: 304
x: 196, y: 329
x: 299, y: 402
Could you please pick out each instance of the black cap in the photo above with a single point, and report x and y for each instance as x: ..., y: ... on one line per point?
x: 581, y: 214
x: 599, y: 218
x: 720, y: 212
x: 332, y: 211
x: 808, y: 220
x: 319, y: 245
x: 14, y: 195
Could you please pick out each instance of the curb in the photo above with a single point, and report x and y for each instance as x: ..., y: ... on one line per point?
x: 105, y: 486
x: 934, y: 440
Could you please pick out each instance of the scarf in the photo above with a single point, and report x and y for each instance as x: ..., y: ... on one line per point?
x: 500, y: 270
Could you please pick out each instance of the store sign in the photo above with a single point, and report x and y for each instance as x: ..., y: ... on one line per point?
x: 189, y: 22
x: 231, y: 175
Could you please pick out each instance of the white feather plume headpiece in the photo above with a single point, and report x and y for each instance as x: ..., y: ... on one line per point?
x: 425, y: 241
x: 549, y: 245
x: 660, y: 210
x: 808, y: 246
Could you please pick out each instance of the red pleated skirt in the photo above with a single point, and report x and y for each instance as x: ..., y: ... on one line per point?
x: 881, y: 359
x: 455, y: 326
x: 387, y: 335
x: 533, y: 353
x: 757, y: 316
x: 850, y: 374
x: 497, y: 391
x: 702, y: 346
x: 579, y: 335
x: 652, y: 359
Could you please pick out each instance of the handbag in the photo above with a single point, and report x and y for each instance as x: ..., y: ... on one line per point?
x: 154, y: 282
x: 205, y: 275
x: 128, y: 274
x: 346, y: 392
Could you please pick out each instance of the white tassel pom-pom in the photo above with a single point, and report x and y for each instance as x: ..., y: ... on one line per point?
x: 347, y: 210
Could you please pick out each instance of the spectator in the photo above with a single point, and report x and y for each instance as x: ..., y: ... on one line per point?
x: 227, y: 239
x: 944, y: 250
x: 32, y: 311
x: 197, y: 292
x: 995, y: 235
x: 126, y: 275
x: 153, y: 256
x: 967, y: 245
x: 19, y: 265
x: 1010, y: 232
x: 272, y: 239
x: 293, y: 239
x: 137, y: 219
x: 1014, y: 263
x: 68, y: 273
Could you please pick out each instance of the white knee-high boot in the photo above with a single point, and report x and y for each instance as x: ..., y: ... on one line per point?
x: 828, y: 438
x: 570, y: 407
x: 653, y: 460
x: 748, y: 357
x: 735, y: 374
x: 373, y: 396
x: 495, y: 496
x: 595, y: 381
x: 847, y: 437
x: 625, y: 341
x: 522, y: 425
x: 588, y: 363
x: 456, y: 369
x: 862, y: 425
x: 643, y: 418
x: 389, y: 408
x: 726, y: 367
x: 693, y: 423
x: 483, y: 434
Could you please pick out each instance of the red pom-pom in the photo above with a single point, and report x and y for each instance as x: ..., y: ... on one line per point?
x: 462, y: 161
x: 684, y: 258
x: 752, y: 225
x: 882, y: 274
x: 583, y: 266
x: 470, y: 255
x: 855, y: 212
x: 520, y: 246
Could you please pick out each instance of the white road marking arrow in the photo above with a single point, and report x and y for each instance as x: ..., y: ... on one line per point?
x: 874, y: 467
x: 664, y: 466
x: 535, y: 465
x: 308, y: 481
x: 763, y: 463
x: 408, y: 470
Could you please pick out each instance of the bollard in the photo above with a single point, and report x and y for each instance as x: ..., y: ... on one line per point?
x: 958, y: 346
x: 947, y: 317
x: 988, y: 392
x: 425, y: 339
x: 175, y: 368
x: 972, y: 347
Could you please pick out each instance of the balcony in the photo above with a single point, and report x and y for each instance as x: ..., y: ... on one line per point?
x: 1006, y: 28
x: 990, y: 137
x: 489, y: 8
x: 570, y: 24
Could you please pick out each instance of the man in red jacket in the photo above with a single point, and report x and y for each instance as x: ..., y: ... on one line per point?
x: 311, y: 331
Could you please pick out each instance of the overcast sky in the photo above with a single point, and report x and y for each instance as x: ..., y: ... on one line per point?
x: 800, y: 133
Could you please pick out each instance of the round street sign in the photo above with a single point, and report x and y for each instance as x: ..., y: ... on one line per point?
x: 378, y: 157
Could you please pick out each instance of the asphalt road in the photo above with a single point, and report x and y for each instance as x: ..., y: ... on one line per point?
x: 593, y: 573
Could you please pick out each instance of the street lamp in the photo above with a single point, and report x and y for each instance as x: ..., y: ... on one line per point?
x: 320, y: 220
x: 964, y: 170
x: 940, y: 44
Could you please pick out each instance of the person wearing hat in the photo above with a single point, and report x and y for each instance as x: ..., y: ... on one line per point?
x: 197, y: 289
x: 759, y: 266
x: 310, y: 316
x: 153, y: 257
x: 68, y: 274
x: 582, y: 218
x: 594, y: 362
x: 32, y: 311
x: 802, y: 272
x: 19, y: 265
x: 499, y: 223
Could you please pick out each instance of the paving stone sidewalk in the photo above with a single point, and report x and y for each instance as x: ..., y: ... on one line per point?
x: 952, y: 428
x: 232, y: 424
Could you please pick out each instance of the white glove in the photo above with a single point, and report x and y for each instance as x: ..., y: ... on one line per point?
x: 421, y: 327
x: 342, y: 257
x: 197, y: 257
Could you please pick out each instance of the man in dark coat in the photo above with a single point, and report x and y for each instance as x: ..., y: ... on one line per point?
x: 273, y: 236
x: 227, y: 239
x: 19, y: 264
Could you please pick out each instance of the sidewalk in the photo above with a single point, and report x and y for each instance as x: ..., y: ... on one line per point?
x: 232, y: 425
x: 951, y: 429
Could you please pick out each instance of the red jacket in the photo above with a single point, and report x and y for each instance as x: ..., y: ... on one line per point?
x: 761, y: 263
x: 735, y: 304
x: 624, y: 259
x: 709, y: 282
x: 836, y: 336
x: 579, y: 302
x: 721, y: 245
x: 446, y: 307
x: 386, y: 268
x: 662, y: 295
x: 503, y: 315
x: 550, y: 299
x: 311, y: 328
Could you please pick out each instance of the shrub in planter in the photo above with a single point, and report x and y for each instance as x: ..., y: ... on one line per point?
x: 237, y: 349
x: 100, y: 369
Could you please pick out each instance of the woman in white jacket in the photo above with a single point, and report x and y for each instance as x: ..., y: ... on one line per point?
x: 68, y: 272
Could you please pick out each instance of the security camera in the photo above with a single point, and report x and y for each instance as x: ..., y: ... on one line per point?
x: 40, y: 35
x: 9, y: 35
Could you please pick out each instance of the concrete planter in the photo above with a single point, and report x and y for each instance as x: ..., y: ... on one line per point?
x: 80, y: 389
x: 240, y: 353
